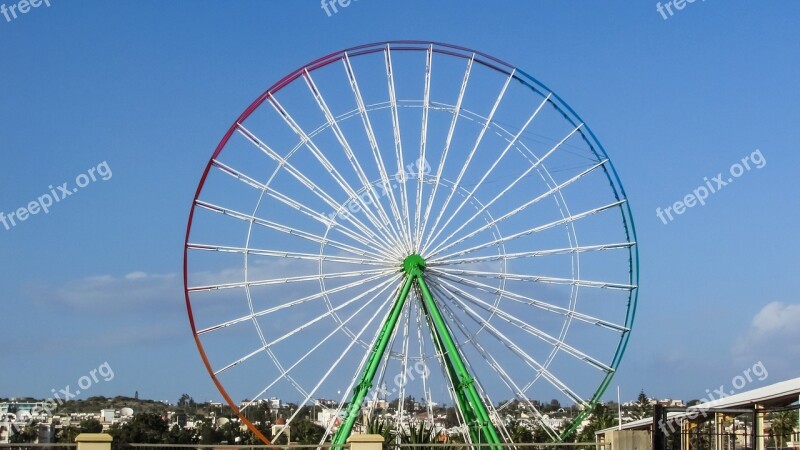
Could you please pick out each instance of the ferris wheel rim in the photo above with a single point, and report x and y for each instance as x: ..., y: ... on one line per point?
x: 451, y: 50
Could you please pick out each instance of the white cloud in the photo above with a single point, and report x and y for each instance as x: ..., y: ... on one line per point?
x: 135, y: 276
x: 773, y: 336
x: 775, y: 319
x: 104, y: 293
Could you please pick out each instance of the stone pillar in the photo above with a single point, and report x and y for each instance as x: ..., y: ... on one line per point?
x: 758, y: 428
x: 362, y: 442
x: 93, y: 441
x: 719, y: 430
x: 684, y: 427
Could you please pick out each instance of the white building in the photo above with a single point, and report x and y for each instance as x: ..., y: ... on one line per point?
x: 274, y: 403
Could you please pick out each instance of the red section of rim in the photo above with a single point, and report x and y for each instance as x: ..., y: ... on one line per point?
x: 447, y: 49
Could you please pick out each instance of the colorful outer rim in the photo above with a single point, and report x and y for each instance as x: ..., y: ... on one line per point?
x: 488, y: 61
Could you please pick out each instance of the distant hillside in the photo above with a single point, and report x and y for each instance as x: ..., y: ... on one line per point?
x: 95, y: 404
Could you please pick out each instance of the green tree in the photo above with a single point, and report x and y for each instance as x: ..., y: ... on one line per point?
x: 143, y: 428
x: 540, y: 434
x: 207, y: 434
x: 600, y: 419
x: 451, y: 417
x: 67, y: 435
x: 642, y: 408
x: 305, y: 431
x: 27, y: 435
x: 187, y: 404
x: 178, y: 435
x: 520, y: 433
x: 91, y: 425
x: 782, y: 426
x: 231, y: 433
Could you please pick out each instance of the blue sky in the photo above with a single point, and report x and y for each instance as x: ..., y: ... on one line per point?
x: 150, y: 87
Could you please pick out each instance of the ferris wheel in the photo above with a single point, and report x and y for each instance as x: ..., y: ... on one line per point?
x: 409, y: 224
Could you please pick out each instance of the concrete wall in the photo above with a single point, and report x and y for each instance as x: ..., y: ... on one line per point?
x: 628, y: 440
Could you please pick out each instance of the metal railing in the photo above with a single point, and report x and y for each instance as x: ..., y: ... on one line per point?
x: 387, y: 446
x: 26, y: 446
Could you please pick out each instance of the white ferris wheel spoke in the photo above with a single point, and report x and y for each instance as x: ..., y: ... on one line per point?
x: 298, y: 175
x: 333, y: 366
x: 381, y: 287
x: 423, y: 145
x: 539, y: 304
x: 426, y: 388
x: 478, y: 141
x: 530, y: 329
x: 299, y: 206
x: 448, y: 142
x: 404, y: 363
x: 376, y: 153
x: 290, y: 304
x: 531, y: 254
x: 511, y: 345
x: 398, y: 148
x: 534, y: 278
x: 524, y: 174
x: 321, y: 342
x: 285, y: 254
x: 340, y: 136
x: 511, y: 237
x: 496, y: 162
x: 446, y: 243
x: 330, y: 168
x: 297, y: 279
x: 495, y: 366
x: 291, y: 231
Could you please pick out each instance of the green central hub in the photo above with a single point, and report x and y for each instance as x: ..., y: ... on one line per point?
x: 414, y: 264
x: 469, y: 400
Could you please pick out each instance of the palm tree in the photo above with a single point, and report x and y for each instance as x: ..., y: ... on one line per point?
x: 380, y: 426
x: 423, y: 433
x: 782, y: 426
x: 28, y: 435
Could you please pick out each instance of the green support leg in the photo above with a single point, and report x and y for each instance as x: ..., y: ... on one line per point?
x: 469, y: 401
x: 464, y: 381
x: 375, y: 357
x: 461, y: 401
